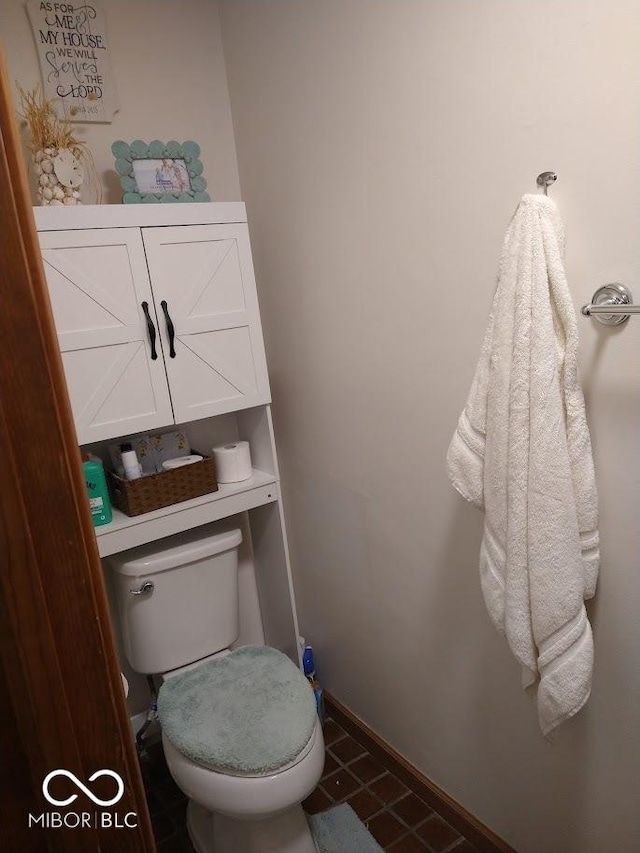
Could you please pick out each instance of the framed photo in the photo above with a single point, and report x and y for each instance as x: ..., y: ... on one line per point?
x: 160, y: 171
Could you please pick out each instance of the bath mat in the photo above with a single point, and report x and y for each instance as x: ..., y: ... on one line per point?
x: 340, y: 830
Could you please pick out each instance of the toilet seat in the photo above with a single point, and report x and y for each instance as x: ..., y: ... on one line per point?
x: 250, y: 713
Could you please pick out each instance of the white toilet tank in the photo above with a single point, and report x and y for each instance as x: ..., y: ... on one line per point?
x: 191, y: 609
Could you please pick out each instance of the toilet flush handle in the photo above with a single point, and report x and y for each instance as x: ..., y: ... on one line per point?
x: 145, y: 589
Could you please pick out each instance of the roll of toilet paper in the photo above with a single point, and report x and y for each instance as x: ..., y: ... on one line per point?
x: 233, y: 462
x: 180, y: 461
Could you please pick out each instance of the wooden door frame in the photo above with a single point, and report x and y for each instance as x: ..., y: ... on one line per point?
x: 60, y: 686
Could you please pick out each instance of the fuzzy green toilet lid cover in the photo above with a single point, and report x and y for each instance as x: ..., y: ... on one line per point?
x: 249, y: 713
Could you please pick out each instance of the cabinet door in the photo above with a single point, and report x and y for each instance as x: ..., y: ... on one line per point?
x: 202, y: 276
x: 98, y: 281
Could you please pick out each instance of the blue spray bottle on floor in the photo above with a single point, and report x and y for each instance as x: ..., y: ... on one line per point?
x: 309, y: 669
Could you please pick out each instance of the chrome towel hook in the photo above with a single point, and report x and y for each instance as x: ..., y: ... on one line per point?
x: 545, y: 179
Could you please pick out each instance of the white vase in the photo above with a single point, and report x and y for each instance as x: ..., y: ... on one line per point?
x: 57, y: 183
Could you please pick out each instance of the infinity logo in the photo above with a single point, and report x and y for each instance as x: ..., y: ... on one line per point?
x: 69, y: 775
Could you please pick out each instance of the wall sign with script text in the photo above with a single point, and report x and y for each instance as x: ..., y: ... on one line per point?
x: 71, y: 40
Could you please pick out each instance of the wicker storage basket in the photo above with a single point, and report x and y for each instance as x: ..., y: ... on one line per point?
x: 135, y: 497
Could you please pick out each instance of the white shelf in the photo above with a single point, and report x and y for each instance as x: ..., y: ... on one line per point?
x: 127, y: 532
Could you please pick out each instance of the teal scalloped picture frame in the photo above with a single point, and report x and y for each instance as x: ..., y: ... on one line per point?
x: 160, y: 172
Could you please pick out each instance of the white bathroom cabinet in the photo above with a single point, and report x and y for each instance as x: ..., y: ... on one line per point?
x: 157, y: 324
x: 114, y: 273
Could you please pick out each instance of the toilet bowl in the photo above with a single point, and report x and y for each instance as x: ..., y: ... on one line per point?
x: 249, y: 814
x: 240, y: 730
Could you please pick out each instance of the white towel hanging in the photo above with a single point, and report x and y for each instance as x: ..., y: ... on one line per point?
x: 522, y: 452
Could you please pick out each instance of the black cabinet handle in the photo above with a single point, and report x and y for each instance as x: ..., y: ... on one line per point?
x: 170, y: 329
x: 151, y: 329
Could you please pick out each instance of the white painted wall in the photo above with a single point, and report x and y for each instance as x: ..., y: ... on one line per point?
x: 382, y: 148
x: 168, y: 66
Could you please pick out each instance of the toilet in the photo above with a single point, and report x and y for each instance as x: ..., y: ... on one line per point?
x: 240, y: 731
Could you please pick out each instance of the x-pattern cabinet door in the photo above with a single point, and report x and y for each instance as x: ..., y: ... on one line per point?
x: 205, y: 296
x: 99, y: 288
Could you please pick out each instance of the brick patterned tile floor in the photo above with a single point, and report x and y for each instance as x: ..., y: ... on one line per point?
x: 396, y: 817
